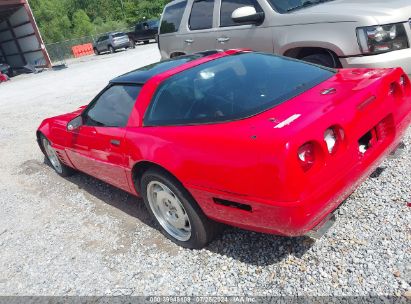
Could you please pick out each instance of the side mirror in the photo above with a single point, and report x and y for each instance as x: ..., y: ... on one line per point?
x: 75, y: 123
x: 247, y: 14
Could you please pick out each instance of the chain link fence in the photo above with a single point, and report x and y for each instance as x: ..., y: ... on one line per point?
x: 59, y: 52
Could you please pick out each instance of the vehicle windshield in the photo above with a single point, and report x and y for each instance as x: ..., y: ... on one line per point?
x: 154, y: 23
x: 285, y: 6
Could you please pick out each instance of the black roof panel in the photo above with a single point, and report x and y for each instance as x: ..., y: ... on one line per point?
x: 141, y: 75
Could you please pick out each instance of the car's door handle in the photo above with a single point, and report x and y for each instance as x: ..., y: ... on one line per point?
x: 223, y: 39
x: 115, y: 142
x: 189, y: 41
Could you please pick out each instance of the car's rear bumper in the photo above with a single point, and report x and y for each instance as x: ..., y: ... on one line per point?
x: 299, y: 217
x: 122, y: 45
x: 401, y: 58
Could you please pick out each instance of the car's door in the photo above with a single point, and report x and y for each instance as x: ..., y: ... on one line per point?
x: 105, y: 43
x: 138, y: 33
x: 232, y: 35
x: 146, y: 30
x: 97, y: 146
x: 200, y: 35
x: 98, y: 42
x: 102, y: 44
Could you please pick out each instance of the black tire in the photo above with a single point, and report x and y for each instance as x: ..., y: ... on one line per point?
x: 132, y: 44
x: 111, y: 49
x: 326, y: 60
x: 203, y: 230
x: 62, y: 169
x: 96, y: 52
x: 146, y: 41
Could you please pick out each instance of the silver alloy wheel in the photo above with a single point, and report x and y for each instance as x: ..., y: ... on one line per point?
x: 169, y: 211
x: 52, y: 156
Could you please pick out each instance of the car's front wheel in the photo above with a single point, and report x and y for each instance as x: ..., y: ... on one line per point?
x: 175, y: 211
x: 322, y: 59
x: 53, y: 159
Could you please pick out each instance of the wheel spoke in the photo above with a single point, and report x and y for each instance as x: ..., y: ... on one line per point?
x: 52, y: 156
x: 169, y: 211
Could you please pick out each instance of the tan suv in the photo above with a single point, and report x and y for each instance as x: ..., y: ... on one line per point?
x: 341, y: 33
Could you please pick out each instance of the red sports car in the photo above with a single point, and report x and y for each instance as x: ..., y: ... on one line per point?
x: 248, y: 139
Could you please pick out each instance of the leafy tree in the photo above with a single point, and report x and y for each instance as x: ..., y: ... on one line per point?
x: 82, y: 25
x: 64, y: 19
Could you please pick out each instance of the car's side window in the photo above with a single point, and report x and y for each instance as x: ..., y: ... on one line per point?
x: 113, y: 107
x: 172, y: 17
x: 229, y: 6
x: 201, y: 16
x: 139, y: 27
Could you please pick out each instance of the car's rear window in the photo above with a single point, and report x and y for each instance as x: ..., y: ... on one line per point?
x: 118, y: 35
x: 172, y: 16
x: 231, y: 88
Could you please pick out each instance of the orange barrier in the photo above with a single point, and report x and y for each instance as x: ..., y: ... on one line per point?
x: 82, y: 50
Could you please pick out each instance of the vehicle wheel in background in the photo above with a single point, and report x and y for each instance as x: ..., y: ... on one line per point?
x: 53, y: 159
x: 326, y: 60
x: 146, y: 41
x: 111, y: 49
x: 96, y: 52
x: 132, y: 44
x: 179, y: 217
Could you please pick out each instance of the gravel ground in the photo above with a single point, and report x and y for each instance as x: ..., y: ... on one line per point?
x: 79, y: 236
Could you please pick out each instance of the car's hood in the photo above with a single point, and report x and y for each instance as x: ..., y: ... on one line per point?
x: 383, y: 11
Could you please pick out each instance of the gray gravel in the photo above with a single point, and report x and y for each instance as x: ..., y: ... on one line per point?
x: 79, y: 236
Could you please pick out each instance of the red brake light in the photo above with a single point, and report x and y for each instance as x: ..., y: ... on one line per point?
x: 306, y: 156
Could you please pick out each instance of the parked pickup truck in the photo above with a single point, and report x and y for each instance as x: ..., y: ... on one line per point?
x: 339, y: 33
x: 144, y: 32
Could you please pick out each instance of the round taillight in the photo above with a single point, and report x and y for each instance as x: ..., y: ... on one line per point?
x: 306, y: 156
x: 330, y: 139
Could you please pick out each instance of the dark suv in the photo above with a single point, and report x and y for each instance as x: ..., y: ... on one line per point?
x: 111, y: 42
x: 144, y: 31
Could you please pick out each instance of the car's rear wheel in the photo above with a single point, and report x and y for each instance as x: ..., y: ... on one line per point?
x: 53, y: 159
x: 111, y: 49
x: 177, y: 214
x: 132, y: 44
x: 96, y: 52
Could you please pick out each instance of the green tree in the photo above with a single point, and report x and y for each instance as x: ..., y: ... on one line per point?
x: 82, y: 25
x: 64, y: 19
